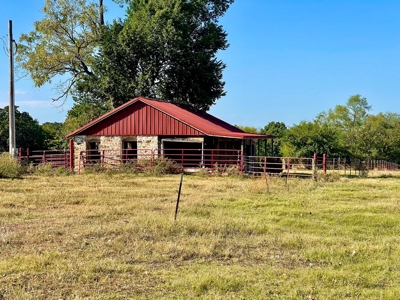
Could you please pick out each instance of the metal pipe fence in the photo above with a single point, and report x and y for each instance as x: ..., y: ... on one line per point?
x: 214, y: 160
x: 56, y: 158
x: 357, y: 167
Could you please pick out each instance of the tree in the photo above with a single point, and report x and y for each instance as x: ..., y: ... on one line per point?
x: 28, y: 132
x: 83, y: 112
x: 63, y: 44
x: 164, y: 49
x: 348, y: 120
x: 248, y: 129
x: 277, y: 129
x: 54, y: 137
x: 380, y: 137
x: 307, y: 138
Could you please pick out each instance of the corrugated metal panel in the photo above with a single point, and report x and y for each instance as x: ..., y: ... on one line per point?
x: 143, y: 116
x: 141, y: 119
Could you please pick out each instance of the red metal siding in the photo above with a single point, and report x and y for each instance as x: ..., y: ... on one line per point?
x: 141, y: 119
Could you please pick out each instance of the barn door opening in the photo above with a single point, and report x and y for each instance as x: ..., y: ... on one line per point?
x: 189, y: 154
x: 93, y: 151
x: 129, y: 151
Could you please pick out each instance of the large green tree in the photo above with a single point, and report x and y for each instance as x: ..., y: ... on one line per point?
x: 164, y: 49
x: 28, y: 132
x: 278, y: 129
x: 348, y: 121
x: 62, y: 45
x: 307, y: 138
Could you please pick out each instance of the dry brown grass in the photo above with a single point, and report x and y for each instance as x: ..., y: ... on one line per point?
x: 112, y: 236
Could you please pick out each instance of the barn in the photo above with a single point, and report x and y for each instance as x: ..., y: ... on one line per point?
x: 146, y: 127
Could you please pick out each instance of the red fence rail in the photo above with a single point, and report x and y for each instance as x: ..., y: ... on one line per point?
x: 212, y: 159
x: 56, y: 158
x: 187, y: 158
x: 285, y: 166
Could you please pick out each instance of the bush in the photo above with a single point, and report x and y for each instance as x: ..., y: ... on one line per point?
x: 163, y: 165
x: 9, y: 167
x: 328, y: 177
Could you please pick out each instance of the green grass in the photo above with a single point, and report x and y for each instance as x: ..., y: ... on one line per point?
x: 113, y: 236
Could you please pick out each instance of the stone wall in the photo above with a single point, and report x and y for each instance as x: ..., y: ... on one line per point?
x: 79, y: 145
x: 111, y: 147
x: 147, y: 145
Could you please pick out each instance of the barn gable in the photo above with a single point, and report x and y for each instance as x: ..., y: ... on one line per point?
x: 140, y: 119
x: 152, y: 117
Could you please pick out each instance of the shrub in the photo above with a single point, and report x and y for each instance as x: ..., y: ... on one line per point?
x: 328, y: 177
x: 43, y: 170
x: 163, y: 165
x: 9, y: 167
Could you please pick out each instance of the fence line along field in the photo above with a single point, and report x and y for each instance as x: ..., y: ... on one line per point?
x: 113, y: 236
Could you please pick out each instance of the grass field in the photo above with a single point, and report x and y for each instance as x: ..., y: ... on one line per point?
x: 113, y: 236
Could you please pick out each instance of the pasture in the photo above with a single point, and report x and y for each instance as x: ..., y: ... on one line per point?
x: 113, y: 236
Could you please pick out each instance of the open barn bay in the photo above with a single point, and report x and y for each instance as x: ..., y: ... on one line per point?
x: 113, y: 236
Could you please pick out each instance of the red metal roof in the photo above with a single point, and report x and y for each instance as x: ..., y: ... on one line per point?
x: 144, y: 116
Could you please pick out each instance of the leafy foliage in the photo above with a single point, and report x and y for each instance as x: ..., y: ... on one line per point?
x: 54, y: 136
x: 277, y: 129
x: 28, y: 132
x: 164, y: 49
x: 64, y: 42
x: 9, y: 167
x: 307, y: 138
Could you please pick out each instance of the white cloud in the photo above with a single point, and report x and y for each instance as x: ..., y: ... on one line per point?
x: 20, y: 92
x: 30, y: 104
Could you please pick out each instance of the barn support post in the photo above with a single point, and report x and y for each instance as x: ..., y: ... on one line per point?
x: 183, y: 158
x: 265, y: 165
x: 212, y: 159
x: 265, y: 147
x: 71, y: 155
x: 272, y: 142
x: 202, y: 154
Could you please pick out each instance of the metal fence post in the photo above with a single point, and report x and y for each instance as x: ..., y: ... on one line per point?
x: 71, y: 156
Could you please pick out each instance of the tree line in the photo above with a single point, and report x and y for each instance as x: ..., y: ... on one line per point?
x: 344, y: 131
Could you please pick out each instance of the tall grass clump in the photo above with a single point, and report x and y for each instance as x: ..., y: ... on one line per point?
x: 9, y: 167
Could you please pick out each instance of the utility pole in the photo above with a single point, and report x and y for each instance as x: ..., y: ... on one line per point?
x: 101, y: 12
x: 12, y: 143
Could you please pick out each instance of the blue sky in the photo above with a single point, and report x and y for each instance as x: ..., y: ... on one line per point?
x: 287, y: 60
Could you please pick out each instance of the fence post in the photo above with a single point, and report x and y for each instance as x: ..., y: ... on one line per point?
x: 324, y: 163
x: 71, y: 156
x: 314, y: 166
x: 288, y: 170
x: 212, y: 159
x: 182, y: 158
x: 20, y: 155
x: 44, y: 157
x: 265, y: 165
x: 102, y: 159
